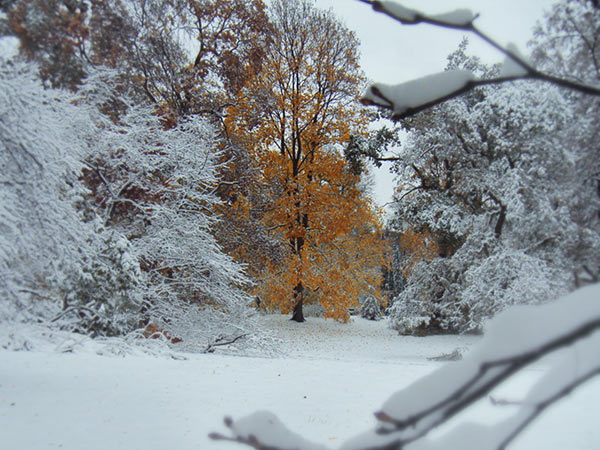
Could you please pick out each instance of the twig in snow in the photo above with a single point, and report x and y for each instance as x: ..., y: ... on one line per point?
x: 220, y: 341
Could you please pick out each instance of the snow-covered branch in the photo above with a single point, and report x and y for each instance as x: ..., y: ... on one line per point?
x: 409, y: 98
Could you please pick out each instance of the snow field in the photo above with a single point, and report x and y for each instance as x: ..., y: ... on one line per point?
x: 328, y: 384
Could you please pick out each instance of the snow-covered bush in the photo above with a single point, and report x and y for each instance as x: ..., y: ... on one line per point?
x: 428, y: 303
x: 204, y: 328
x: 102, y: 298
x: 56, y: 263
x: 370, y: 308
x: 458, y: 294
x: 158, y: 186
x: 59, y: 245
x: 505, y: 279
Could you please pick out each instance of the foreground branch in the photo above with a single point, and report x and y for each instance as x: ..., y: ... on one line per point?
x: 404, y: 102
x: 512, y: 342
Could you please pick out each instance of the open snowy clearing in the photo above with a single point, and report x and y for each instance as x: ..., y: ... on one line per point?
x: 332, y: 377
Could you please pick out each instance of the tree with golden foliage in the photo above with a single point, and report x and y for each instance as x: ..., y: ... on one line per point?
x: 295, y: 116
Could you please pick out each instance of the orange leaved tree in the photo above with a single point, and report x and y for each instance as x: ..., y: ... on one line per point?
x: 296, y: 115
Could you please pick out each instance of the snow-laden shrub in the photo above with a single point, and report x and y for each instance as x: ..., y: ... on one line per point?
x: 314, y: 309
x: 430, y: 301
x: 57, y: 262
x: 370, y: 308
x: 194, y: 327
x: 410, y: 317
x: 102, y: 296
x: 194, y: 293
x: 459, y: 294
x: 111, y: 256
x: 506, y: 278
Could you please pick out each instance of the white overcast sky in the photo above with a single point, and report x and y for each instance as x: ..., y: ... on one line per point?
x: 393, y: 53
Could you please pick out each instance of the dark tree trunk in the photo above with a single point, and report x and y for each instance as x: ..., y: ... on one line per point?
x: 500, y: 221
x: 501, y: 215
x: 297, y: 242
x: 297, y: 314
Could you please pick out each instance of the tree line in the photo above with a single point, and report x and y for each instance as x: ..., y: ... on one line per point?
x: 213, y: 155
x: 168, y: 163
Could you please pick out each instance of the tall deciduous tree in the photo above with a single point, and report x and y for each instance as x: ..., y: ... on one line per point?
x: 567, y: 44
x: 479, y: 173
x: 298, y: 113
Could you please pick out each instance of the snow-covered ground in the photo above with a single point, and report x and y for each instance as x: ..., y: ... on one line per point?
x: 78, y: 394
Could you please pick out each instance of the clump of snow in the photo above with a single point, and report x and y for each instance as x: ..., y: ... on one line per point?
x: 9, y: 47
x: 396, y: 10
x: 511, y: 67
x: 418, y: 92
x: 40, y: 338
x: 458, y: 17
x: 269, y: 430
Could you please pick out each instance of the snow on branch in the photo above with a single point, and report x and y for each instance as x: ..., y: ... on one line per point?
x: 460, y: 19
x: 511, y: 67
x: 515, y: 339
x: 263, y: 430
x: 407, y: 99
x: 574, y: 369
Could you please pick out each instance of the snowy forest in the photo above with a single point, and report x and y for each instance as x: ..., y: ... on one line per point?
x: 192, y: 179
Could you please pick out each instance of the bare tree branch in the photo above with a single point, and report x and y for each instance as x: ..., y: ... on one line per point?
x: 220, y: 342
